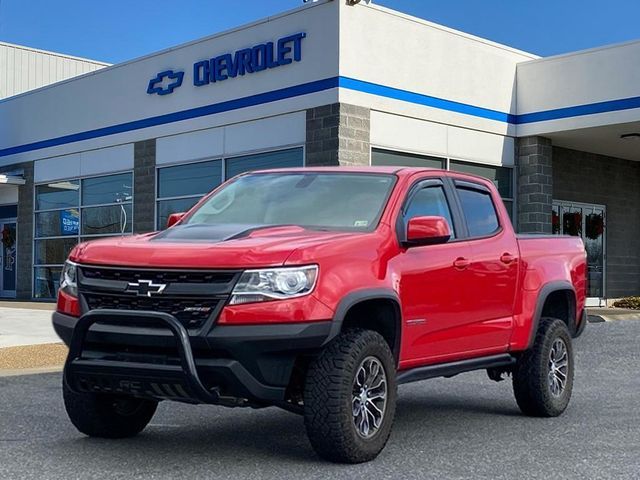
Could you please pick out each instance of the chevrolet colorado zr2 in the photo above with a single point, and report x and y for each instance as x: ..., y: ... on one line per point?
x: 320, y: 290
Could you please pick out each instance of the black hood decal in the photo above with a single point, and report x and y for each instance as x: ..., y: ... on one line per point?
x: 205, y: 233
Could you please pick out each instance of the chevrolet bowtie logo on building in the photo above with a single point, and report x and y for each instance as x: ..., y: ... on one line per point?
x: 165, y: 82
x: 146, y: 288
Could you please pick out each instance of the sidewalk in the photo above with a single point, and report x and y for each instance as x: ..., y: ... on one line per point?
x: 26, y: 326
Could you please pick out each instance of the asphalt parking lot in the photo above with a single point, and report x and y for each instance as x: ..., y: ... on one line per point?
x: 465, y: 427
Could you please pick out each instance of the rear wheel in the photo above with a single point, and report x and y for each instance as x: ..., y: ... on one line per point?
x: 350, y: 397
x: 107, y: 416
x: 543, y: 376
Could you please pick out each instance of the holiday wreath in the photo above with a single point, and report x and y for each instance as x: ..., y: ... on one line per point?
x: 8, y: 239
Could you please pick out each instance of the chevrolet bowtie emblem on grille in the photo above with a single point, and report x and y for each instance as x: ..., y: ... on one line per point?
x: 145, y: 288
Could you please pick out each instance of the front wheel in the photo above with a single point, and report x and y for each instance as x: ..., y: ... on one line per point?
x: 543, y: 375
x: 350, y: 397
x: 107, y: 416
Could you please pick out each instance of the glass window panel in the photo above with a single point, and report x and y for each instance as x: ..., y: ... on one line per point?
x: 264, y: 161
x: 572, y: 221
x: 104, y: 220
x: 58, y: 223
x: 57, y: 195
x: 191, y: 179
x: 502, y: 177
x: 312, y: 199
x: 389, y: 158
x: 594, y: 244
x: 46, y: 281
x: 430, y: 201
x: 109, y: 189
x: 509, y: 206
x: 479, y: 212
x: 53, y: 251
x: 8, y: 211
x: 555, y: 220
x: 98, y: 237
x: 167, y: 207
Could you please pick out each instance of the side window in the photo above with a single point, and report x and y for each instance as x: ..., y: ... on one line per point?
x: 479, y: 211
x: 430, y: 201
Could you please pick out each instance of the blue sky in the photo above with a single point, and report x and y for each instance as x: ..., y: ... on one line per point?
x: 118, y: 30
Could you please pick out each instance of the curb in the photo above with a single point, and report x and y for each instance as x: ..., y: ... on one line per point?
x: 613, y: 318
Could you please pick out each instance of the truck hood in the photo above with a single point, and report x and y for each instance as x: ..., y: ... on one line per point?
x: 205, y: 246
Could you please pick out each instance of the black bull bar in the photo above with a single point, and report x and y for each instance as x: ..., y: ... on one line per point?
x: 136, y: 378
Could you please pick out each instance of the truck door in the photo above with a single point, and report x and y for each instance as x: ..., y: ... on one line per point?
x: 435, y: 281
x: 493, y: 269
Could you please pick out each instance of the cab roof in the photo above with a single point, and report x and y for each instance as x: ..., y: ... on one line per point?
x: 365, y: 169
x: 401, y: 172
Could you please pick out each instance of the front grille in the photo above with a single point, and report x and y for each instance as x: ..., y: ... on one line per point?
x: 159, y: 276
x: 192, y: 313
x: 191, y: 296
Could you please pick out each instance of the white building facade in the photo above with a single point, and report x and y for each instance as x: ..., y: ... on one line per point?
x: 116, y: 151
x: 23, y: 69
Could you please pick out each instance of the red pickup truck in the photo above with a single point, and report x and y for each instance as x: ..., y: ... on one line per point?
x: 320, y: 290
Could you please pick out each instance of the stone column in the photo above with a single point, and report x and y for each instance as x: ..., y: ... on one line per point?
x: 535, y: 184
x: 144, y: 186
x: 338, y: 134
x: 24, y: 253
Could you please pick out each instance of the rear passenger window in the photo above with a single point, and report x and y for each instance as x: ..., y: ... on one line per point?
x: 479, y: 211
x: 430, y: 201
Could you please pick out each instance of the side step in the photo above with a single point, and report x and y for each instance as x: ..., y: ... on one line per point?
x: 454, y: 368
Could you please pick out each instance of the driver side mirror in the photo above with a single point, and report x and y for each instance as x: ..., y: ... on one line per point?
x: 174, y: 218
x: 427, y: 231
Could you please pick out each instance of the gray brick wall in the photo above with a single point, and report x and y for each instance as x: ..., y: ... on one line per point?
x: 615, y: 183
x: 144, y: 184
x: 338, y: 134
x: 24, y: 252
x: 535, y: 184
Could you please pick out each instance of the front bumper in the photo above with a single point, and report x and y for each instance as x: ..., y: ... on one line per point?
x: 157, y: 358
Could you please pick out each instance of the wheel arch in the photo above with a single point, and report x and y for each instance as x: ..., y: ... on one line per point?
x: 353, y: 311
x: 558, y: 300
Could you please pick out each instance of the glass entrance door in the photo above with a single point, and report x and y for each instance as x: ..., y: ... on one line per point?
x: 8, y: 259
x: 588, y: 222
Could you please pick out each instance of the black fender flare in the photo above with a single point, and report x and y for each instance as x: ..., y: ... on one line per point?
x: 546, y: 290
x: 359, y: 296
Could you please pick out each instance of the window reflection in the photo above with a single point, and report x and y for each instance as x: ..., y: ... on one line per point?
x: 95, y: 206
x: 181, y: 186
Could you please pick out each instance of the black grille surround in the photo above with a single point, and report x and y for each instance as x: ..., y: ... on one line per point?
x: 194, y: 297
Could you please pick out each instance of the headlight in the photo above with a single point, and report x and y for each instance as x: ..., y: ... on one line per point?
x: 68, y: 278
x: 274, y: 284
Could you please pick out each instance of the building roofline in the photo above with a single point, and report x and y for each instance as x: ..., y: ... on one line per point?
x: 586, y: 51
x: 453, y: 31
x: 55, y: 54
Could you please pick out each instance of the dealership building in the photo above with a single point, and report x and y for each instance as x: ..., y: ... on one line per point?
x: 114, y: 151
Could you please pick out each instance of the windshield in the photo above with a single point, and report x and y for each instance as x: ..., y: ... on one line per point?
x: 342, y: 201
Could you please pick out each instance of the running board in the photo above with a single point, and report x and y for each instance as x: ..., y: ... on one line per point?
x: 454, y: 368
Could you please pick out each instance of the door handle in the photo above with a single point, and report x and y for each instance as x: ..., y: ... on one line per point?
x: 507, y: 258
x: 461, y: 263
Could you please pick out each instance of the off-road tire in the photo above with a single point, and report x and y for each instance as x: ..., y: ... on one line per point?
x: 328, y: 396
x: 531, y: 373
x: 107, y: 416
